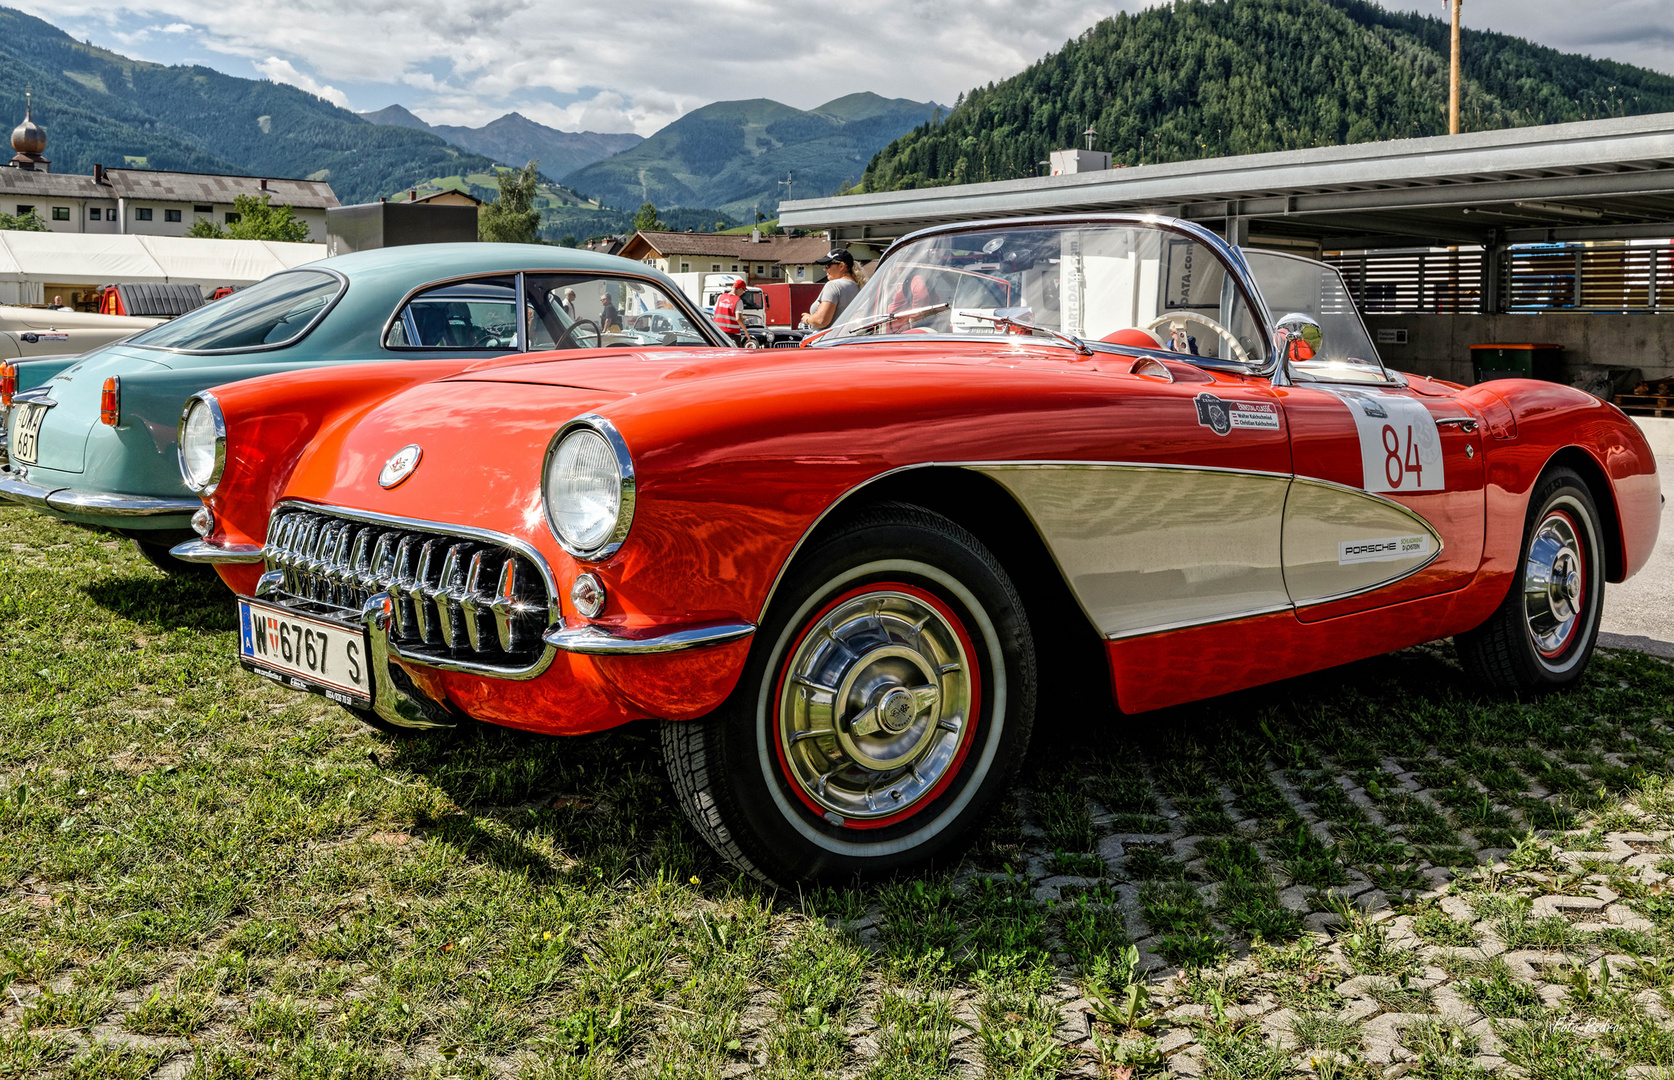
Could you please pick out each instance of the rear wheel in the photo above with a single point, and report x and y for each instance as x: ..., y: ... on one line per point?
x: 1542, y: 637
x: 887, y: 700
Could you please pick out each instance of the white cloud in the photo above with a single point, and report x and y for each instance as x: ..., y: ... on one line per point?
x: 637, y: 64
x: 283, y: 71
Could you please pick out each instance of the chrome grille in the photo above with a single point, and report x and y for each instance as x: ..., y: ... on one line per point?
x: 455, y: 597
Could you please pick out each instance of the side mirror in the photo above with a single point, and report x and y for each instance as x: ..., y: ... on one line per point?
x: 1299, y: 336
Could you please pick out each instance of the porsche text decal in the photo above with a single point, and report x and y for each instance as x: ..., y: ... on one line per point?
x: 1222, y: 416
x: 1383, y: 549
x: 1400, y: 448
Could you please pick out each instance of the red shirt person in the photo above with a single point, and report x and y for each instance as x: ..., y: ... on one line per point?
x: 727, y: 315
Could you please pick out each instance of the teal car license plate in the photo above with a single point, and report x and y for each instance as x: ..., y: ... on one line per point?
x: 26, y: 434
x: 305, y: 653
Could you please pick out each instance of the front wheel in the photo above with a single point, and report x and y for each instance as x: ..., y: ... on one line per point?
x: 1542, y: 637
x: 158, y: 555
x: 887, y: 700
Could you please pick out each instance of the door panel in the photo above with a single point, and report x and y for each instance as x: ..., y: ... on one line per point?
x: 1384, y: 442
x: 1150, y: 548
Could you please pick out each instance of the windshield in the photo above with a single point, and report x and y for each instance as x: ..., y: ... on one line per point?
x: 1131, y: 284
x: 1342, y: 351
x: 273, y: 312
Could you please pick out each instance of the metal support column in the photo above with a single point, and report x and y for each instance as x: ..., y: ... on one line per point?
x: 1493, y: 275
x: 1238, y: 231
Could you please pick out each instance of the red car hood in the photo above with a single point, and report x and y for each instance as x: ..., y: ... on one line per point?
x: 639, y: 372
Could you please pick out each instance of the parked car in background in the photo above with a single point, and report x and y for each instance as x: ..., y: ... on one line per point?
x: 1107, y: 452
x: 165, y: 300
x: 39, y: 332
x: 92, y: 439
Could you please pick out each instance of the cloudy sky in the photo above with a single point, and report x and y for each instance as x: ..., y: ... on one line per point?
x: 635, y: 65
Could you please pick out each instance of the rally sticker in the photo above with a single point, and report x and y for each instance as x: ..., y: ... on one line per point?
x: 1222, y: 416
x: 1383, y: 549
x: 1400, y: 448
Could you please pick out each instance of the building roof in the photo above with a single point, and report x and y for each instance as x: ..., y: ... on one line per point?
x: 217, y: 188
x: 437, y: 194
x: 1591, y: 179
x: 732, y: 246
x: 146, y: 184
x: 35, y: 184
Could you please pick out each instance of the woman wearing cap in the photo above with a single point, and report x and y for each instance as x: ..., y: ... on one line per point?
x: 840, y: 288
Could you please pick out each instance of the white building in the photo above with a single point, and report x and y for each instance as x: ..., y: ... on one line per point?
x: 141, y: 201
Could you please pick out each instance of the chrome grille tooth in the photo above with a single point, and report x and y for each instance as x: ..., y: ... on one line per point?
x: 449, y: 591
x: 474, y: 604
x: 505, y: 597
x: 406, y: 552
x: 357, y: 575
x: 422, y: 593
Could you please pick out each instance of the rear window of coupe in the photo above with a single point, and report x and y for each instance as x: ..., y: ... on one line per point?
x: 273, y: 312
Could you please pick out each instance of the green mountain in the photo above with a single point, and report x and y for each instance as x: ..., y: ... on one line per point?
x: 1201, y: 79
x: 515, y: 140
x: 733, y: 154
x: 100, y: 107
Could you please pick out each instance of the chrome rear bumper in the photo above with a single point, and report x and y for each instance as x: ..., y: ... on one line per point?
x: 95, y: 503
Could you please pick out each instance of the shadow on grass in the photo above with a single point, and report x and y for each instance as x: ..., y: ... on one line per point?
x: 176, y: 602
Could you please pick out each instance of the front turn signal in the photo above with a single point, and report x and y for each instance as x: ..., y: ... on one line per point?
x: 110, y: 401
x: 8, y: 384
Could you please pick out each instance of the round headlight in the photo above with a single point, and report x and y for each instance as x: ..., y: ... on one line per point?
x: 588, y: 489
x: 203, y: 443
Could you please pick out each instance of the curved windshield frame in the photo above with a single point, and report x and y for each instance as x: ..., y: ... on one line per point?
x: 1344, y: 352
x: 288, y: 304
x: 1122, y: 283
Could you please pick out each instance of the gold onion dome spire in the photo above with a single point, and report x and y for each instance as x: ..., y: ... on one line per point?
x: 29, y: 138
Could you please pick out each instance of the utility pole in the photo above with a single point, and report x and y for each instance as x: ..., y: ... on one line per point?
x: 1453, y: 92
x: 786, y: 184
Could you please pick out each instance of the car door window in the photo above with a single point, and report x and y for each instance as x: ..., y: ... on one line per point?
x: 465, y: 315
x: 582, y: 311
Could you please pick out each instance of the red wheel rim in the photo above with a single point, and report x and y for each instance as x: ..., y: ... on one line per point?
x: 876, y: 705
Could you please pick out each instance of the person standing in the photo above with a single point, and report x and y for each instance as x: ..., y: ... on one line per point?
x: 839, y: 292
x: 727, y: 315
x: 609, y: 317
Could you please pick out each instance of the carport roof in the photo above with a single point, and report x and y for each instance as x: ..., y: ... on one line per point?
x: 1595, y: 179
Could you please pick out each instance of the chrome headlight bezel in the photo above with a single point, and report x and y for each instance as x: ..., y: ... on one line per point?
x: 218, y: 425
x: 626, y: 487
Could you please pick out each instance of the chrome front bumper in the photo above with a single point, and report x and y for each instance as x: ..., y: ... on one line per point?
x: 202, y: 551
x: 66, y: 500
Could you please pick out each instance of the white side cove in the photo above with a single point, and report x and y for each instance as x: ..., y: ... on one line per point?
x: 1149, y: 548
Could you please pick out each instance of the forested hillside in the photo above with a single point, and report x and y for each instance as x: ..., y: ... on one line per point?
x: 1207, y: 79
x: 100, y: 107
x: 732, y: 154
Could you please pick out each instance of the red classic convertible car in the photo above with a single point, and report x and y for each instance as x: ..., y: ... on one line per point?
x: 839, y: 573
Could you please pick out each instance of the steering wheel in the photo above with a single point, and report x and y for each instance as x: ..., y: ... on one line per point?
x: 598, y: 335
x: 1192, y: 316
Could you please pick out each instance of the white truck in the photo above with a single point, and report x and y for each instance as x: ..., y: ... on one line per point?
x: 703, y: 288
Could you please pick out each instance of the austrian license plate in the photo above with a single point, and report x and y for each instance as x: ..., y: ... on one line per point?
x: 305, y: 653
x: 26, y: 434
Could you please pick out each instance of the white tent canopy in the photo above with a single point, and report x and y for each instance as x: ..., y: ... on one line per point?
x: 29, y: 261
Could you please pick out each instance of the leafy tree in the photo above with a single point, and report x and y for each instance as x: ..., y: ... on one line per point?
x: 254, y: 219
x: 512, y: 218
x: 645, y: 219
x: 29, y: 222
x: 568, y: 241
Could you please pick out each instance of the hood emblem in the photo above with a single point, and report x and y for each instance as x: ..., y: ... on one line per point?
x: 400, y: 466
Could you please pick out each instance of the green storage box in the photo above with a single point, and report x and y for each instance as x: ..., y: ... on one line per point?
x: 1522, y: 361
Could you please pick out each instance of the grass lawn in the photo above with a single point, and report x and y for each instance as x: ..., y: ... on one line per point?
x: 1365, y: 872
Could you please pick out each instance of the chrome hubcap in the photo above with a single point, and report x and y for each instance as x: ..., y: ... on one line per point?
x: 1554, y: 583
x: 875, y: 705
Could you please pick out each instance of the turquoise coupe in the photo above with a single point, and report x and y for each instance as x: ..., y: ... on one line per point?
x: 92, y: 439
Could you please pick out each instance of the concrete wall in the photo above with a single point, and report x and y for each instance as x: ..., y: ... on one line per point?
x: 1439, y: 345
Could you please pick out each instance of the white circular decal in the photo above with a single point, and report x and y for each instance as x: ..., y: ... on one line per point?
x: 400, y: 466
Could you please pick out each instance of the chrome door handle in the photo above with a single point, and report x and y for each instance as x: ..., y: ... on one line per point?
x: 1467, y: 424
